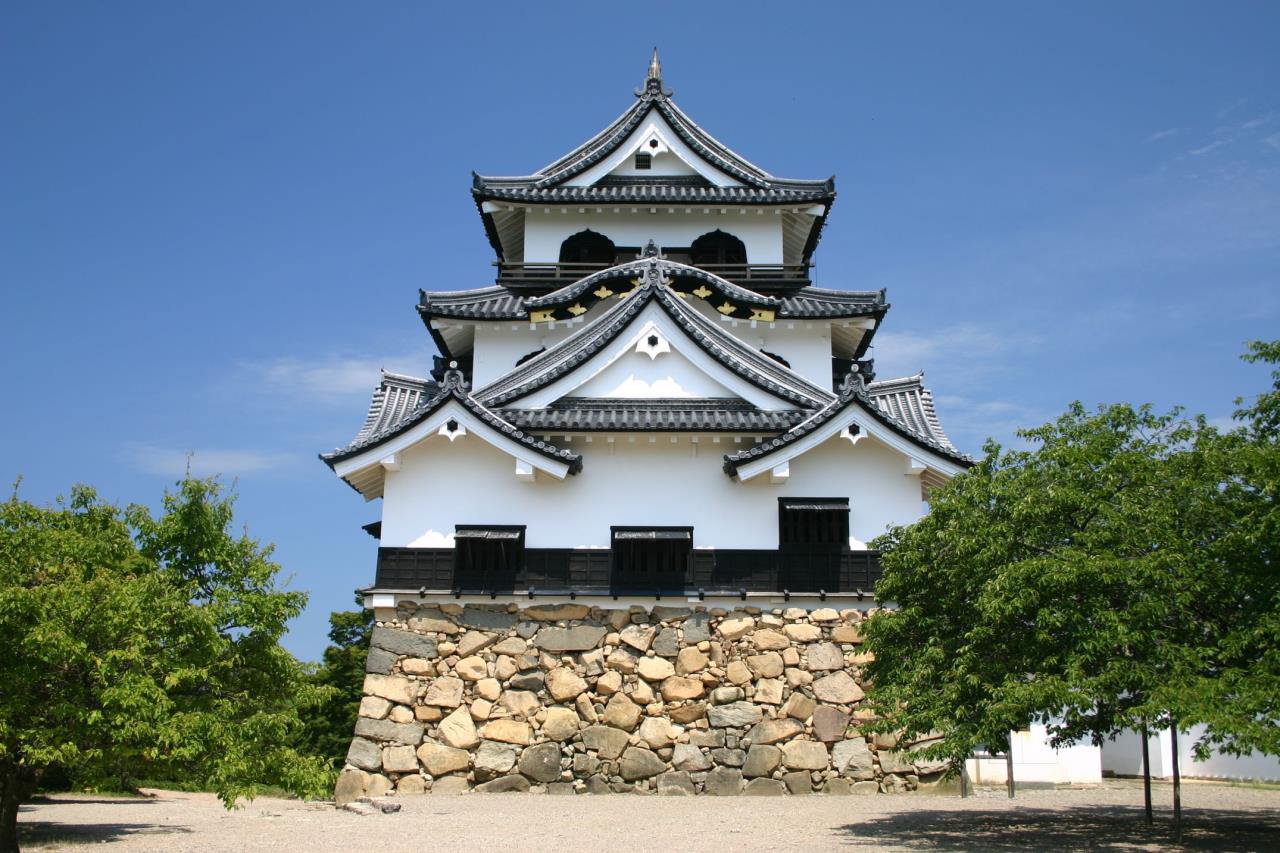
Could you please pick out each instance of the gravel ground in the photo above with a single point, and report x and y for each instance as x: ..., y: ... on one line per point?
x: 1217, y: 817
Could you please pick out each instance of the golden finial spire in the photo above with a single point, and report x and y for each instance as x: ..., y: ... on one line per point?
x: 655, y: 67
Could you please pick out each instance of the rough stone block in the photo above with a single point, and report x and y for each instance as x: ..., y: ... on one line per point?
x: 805, y: 755
x: 379, y: 661
x: 734, y: 714
x: 606, y: 740
x: 403, y: 642
x: 724, y: 782
x: 486, y: 618
x: 541, y: 762
x: 764, y: 788
x: 503, y: 785
x: 798, y: 782
x: 438, y: 759
x: 406, y: 733
x: 675, y: 784
x: 761, y: 760
x: 579, y: 639
x: 350, y: 787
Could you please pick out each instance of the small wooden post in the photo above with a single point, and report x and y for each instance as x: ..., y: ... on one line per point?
x: 1146, y: 773
x: 1177, y: 783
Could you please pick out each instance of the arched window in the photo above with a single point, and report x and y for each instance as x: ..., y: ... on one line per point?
x: 588, y: 247
x: 718, y: 248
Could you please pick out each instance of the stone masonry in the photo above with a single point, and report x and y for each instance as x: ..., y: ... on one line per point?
x: 567, y: 698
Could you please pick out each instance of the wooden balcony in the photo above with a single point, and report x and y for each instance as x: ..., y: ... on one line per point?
x: 553, y: 275
x: 551, y: 571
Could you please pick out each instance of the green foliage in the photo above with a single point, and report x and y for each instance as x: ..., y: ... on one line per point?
x: 1121, y: 571
x: 328, y: 725
x: 141, y: 645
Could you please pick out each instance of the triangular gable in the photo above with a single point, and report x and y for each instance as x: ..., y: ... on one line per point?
x: 853, y: 415
x: 654, y: 359
x: 451, y: 414
x: 651, y: 297
x: 671, y: 156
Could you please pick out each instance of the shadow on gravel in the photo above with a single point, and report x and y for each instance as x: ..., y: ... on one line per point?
x: 40, y: 833
x: 1100, y: 828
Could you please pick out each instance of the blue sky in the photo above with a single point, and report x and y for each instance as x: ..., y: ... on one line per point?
x: 215, y: 217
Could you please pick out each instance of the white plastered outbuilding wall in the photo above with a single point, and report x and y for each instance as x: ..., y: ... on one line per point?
x: 440, y: 484
x: 1123, y: 757
x: 1035, y: 762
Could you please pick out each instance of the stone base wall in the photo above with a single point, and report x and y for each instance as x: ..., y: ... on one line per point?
x: 574, y: 699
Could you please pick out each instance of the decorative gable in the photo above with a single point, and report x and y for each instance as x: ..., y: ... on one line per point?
x: 653, y: 150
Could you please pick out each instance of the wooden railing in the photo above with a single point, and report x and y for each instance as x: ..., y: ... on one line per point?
x: 567, y: 272
x: 587, y: 571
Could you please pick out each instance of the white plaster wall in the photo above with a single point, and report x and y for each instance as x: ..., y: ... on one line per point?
x: 1035, y: 761
x: 546, y: 228
x: 441, y: 484
x: 635, y: 375
x: 1123, y: 756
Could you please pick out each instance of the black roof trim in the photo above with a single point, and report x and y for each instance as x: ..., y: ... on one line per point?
x: 662, y: 415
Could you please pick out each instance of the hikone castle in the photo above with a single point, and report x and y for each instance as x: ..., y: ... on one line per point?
x: 624, y: 527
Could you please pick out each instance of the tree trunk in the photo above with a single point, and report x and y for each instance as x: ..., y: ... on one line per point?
x: 17, y: 783
x: 1146, y: 773
x: 1177, y: 783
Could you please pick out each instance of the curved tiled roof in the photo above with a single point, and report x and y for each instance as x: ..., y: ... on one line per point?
x: 453, y: 388
x: 645, y: 192
x: 396, y: 397
x: 564, y: 357
x: 855, y: 394
x: 728, y: 415
x: 483, y: 303
x: 911, y: 403
x: 499, y: 303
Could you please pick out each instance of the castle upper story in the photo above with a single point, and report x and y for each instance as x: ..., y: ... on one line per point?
x: 654, y: 180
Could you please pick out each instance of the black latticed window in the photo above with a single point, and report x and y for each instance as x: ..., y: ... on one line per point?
x: 813, y: 534
x: 644, y: 160
x: 487, y: 556
x: 813, y: 522
x: 651, y: 558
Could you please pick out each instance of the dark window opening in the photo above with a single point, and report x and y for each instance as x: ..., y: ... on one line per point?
x: 487, y: 556
x: 776, y: 357
x: 651, y: 558
x: 644, y: 160
x: 588, y: 247
x: 718, y: 247
x: 530, y: 355
x: 813, y: 523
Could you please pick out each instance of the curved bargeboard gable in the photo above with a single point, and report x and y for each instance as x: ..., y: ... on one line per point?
x: 675, y: 367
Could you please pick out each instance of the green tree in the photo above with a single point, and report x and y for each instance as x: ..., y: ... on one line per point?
x: 1120, y: 572
x: 149, y: 645
x: 329, y: 724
